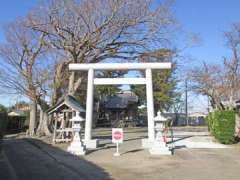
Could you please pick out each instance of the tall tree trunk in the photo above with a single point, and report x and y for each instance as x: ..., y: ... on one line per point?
x: 59, y: 79
x: 33, y: 118
x: 237, y: 125
x: 43, y: 129
x: 71, y: 83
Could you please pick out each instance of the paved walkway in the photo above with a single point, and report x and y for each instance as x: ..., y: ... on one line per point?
x: 32, y: 159
x: 186, y: 164
x: 29, y: 159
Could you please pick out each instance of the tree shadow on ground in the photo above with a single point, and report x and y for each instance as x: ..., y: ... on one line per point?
x: 109, y: 138
x: 103, y: 137
x: 101, y: 147
x: 136, y: 131
x: 179, y: 139
x: 132, y: 151
x: 106, y: 142
x: 34, y: 159
x: 137, y: 138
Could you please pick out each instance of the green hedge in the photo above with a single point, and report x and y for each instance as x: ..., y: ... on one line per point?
x: 222, y: 126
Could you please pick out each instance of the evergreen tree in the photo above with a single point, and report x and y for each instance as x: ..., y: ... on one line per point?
x: 164, y: 81
x: 2, y: 108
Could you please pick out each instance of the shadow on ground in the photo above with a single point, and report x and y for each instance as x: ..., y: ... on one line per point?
x: 32, y: 159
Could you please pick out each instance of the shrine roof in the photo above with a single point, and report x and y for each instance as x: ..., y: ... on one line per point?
x: 68, y: 101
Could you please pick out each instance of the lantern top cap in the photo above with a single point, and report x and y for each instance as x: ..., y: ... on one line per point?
x: 77, y: 118
x: 159, y: 117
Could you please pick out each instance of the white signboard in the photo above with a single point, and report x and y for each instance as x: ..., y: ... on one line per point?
x: 117, y: 135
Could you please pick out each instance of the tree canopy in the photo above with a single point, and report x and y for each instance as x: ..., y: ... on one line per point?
x: 164, y: 81
x: 58, y: 32
x: 3, y: 108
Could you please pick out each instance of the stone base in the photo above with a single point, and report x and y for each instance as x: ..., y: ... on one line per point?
x: 160, y: 148
x: 116, y: 154
x: 91, y: 144
x: 77, y: 148
x: 146, y: 143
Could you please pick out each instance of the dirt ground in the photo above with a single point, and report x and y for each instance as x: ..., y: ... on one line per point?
x: 135, y: 162
x: 33, y: 159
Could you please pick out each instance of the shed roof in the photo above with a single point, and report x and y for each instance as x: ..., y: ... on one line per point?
x: 69, y: 101
x: 197, y: 114
x: 16, y: 113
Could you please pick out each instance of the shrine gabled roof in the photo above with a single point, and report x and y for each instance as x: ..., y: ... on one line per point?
x: 68, y: 101
x: 121, y: 101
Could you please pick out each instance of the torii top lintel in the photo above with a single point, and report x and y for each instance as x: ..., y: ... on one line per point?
x: 120, y: 66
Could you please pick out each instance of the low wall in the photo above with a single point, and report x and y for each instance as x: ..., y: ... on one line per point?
x: 3, y: 124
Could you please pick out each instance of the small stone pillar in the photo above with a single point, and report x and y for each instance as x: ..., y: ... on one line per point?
x: 76, y: 146
x: 159, y: 145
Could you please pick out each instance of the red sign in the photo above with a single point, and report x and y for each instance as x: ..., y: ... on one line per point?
x: 117, y: 135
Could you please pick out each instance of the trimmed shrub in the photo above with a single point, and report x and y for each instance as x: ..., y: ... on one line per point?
x: 222, y: 126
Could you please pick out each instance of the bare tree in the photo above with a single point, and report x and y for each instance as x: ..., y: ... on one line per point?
x: 91, y: 31
x: 207, y: 80
x: 221, y: 82
x: 22, y: 68
x: 232, y: 64
x: 87, y: 31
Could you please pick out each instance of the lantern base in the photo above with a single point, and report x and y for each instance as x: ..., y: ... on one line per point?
x: 91, y: 144
x: 116, y: 154
x: 77, y: 148
x: 159, y: 148
x: 147, y: 143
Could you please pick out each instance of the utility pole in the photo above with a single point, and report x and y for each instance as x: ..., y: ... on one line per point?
x: 208, y: 104
x: 186, y: 100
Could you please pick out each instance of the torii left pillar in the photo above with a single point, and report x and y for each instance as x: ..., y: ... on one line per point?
x: 88, y: 141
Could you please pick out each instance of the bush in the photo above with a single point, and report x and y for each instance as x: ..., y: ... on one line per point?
x: 222, y: 126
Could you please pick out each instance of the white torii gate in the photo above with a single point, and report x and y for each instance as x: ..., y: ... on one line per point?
x: 89, y: 142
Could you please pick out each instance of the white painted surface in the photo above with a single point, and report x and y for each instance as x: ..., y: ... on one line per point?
x: 119, y: 66
x: 150, y: 105
x: 89, y: 106
x: 110, y: 81
x: 106, y: 81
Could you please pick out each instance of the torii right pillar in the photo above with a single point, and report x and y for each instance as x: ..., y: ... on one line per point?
x: 147, y: 143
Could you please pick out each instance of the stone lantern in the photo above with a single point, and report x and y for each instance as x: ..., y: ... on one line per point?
x: 76, y: 146
x: 159, y: 146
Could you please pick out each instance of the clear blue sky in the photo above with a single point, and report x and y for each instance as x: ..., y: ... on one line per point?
x: 208, y: 18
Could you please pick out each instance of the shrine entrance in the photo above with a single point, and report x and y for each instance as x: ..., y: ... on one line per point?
x: 147, y: 80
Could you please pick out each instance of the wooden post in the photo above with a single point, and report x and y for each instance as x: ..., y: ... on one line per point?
x: 55, y: 128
